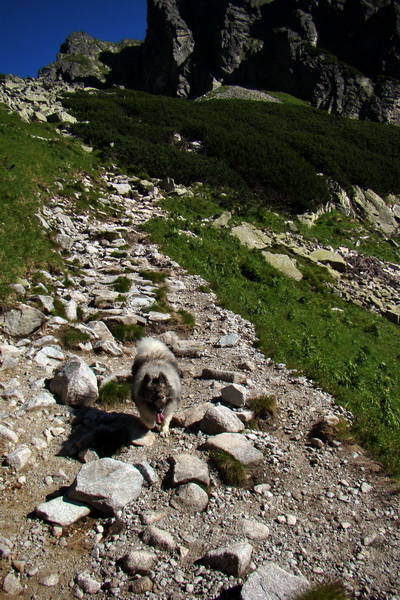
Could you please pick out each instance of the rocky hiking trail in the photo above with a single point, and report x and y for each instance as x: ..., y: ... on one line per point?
x: 81, y: 518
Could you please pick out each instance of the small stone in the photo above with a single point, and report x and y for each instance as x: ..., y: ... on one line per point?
x: 228, y: 341
x: 18, y: 459
x: 75, y: 383
x: 12, y: 585
x: 8, y: 436
x: 159, y: 538
x: 41, y: 400
x: 87, y: 583
x: 138, y: 562
x: 220, y: 419
x: 366, y: 488
x: 190, y: 497
x: 147, y: 472
x: 270, y: 582
x: 189, y: 468
x: 234, y: 394
x: 107, y: 484
x: 141, y: 586
x: 50, y: 580
x: 230, y: 376
x: 291, y: 520
x: 232, y: 560
x: 88, y: 455
x: 253, y: 530
x: 62, y: 511
x: 236, y: 445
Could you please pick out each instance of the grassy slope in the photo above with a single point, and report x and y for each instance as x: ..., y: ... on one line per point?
x: 32, y: 156
x: 350, y: 352
x: 269, y: 154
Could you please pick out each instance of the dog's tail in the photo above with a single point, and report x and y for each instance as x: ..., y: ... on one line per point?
x: 151, y: 349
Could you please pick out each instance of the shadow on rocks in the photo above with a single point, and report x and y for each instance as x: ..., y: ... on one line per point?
x: 103, y: 432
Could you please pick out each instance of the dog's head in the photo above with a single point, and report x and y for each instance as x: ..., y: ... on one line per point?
x: 156, y: 392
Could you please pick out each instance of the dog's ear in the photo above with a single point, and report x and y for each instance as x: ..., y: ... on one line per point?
x: 162, y: 379
x: 146, y: 379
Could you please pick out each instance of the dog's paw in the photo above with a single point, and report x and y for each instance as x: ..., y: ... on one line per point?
x: 164, y: 433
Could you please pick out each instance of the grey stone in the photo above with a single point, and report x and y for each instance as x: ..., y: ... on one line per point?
x: 187, y: 468
x: 159, y: 538
x: 284, y: 264
x: 7, y: 436
x: 220, y: 419
x: 61, y: 117
x: 49, y: 356
x: 123, y: 189
x: 12, y: 585
x: 22, y: 320
x: 64, y: 241
x: 236, y: 445
x: 107, y: 484
x: 188, y: 348
x: 230, y: 376
x: 41, y: 400
x: 191, y: 416
x: 62, y: 511
x: 228, y: 341
x: 234, y: 394
x: 9, y: 356
x: 19, y: 458
x: 222, y: 220
x: 168, y: 184
x: 148, y: 473
x: 190, y: 497
x: 232, y: 560
x: 50, y: 580
x: 139, y: 562
x: 46, y: 302
x: 251, y: 237
x: 253, y: 529
x: 100, y: 330
x: 74, y: 383
x: 270, y: 582
x: 87, y: 583
x: 333, y: 259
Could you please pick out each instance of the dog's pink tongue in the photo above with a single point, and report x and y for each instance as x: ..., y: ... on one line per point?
x: 159, y: 418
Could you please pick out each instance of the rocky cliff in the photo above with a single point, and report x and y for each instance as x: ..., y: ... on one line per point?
x: 83, y: 59
x: 343, y: 57
x: 340, y: 56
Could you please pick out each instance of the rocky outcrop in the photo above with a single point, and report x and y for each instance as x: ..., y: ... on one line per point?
x: 343, y: 57
x: 331, y: 54
x: 91, y: 62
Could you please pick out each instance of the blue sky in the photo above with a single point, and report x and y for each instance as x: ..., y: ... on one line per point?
x: 32, y: 31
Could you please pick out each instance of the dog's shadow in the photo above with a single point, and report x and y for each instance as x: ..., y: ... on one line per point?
x: 104, y: 432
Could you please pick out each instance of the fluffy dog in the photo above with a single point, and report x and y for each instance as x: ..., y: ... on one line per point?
x: 156, y: 384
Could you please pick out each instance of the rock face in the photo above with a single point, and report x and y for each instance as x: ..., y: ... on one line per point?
x: 83, y: 59
x: 331, y: 54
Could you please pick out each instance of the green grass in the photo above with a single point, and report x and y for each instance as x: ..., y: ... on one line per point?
x: 352, y: 353
x: 231, y: 471
x: 127, y: 333
x: 72, y: 337
x: 122, y: 284
x: 263, y: 407
x: 114, y: 392
x: 270, y: 153
x: 324, y: 591
x: 335, y: 229
x: 153, y: 276
x: 28, y: 168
